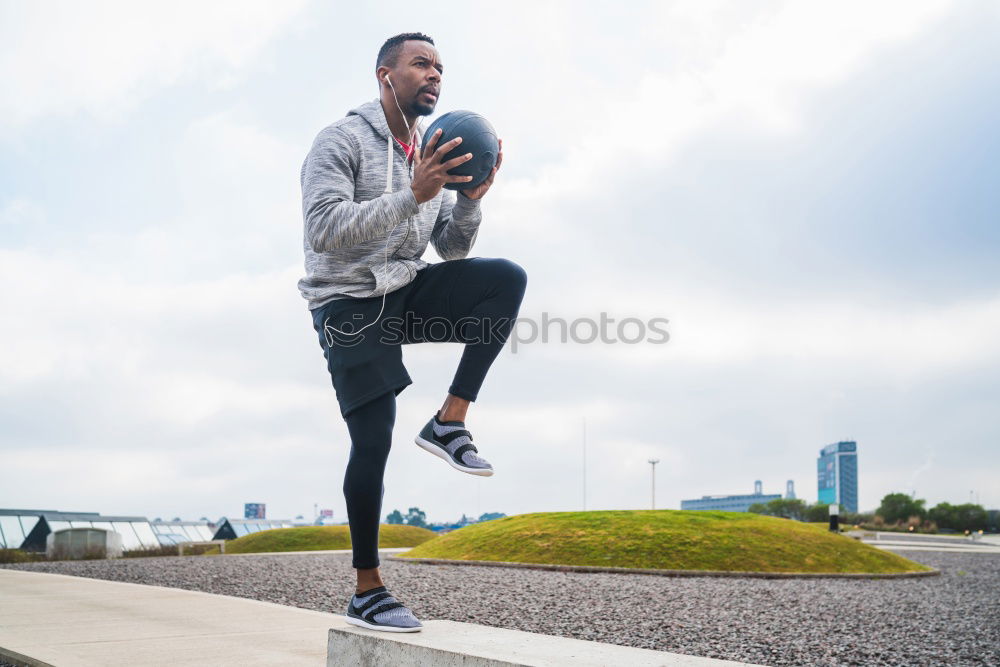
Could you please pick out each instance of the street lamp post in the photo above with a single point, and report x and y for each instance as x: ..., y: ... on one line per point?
x: 653, y: 489
x: 584, y: 443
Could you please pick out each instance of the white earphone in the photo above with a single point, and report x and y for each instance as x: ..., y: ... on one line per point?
x: 408, y: 130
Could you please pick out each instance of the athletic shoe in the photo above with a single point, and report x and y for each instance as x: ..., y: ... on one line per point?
x: 453, y: 443
x: 376, y: 609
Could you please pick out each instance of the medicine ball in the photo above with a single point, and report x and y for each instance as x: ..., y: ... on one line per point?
x: 478, y: 138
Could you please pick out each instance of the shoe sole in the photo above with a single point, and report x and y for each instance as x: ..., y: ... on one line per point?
x: 387, y: 628
x: 442, y: 454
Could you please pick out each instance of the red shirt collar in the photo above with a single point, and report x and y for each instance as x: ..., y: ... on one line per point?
x: 406, y: 147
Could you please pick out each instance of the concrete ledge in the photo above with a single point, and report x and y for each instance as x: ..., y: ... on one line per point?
x: 673, y: 573
x: 454, y: 644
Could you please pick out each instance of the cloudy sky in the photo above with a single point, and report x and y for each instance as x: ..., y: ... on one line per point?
x: 807, y: 193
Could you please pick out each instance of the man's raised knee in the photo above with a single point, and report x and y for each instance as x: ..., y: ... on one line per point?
x: 514, y: 273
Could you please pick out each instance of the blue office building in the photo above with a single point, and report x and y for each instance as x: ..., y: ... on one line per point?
x: 837, y: 474
x: 739, y: 503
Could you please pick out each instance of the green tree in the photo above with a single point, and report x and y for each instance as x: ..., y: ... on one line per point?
x: 791, y: 509
x: 943, y: 514
x: 394, y: 517
x: 959, y: 517
x: 900, y: 507
x: 818, y: 513
x: 489, y: 516
x: 786, y: 509
x: 416, y: 517
x: 971, y: 517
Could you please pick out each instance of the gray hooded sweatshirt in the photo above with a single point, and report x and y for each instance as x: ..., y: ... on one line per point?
x: 355, y: 196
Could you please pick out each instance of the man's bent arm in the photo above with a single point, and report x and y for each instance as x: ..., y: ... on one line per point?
x: 457, y: 225
x: 333, y: 220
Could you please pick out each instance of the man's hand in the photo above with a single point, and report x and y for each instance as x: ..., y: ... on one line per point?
x: 430, y: 174
x: 481, y: 189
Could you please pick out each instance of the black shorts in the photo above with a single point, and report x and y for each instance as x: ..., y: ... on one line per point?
x: 369, y: 364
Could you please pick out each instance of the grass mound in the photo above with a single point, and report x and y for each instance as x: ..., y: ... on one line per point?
x: 664, y: 539
x: 317, y: 538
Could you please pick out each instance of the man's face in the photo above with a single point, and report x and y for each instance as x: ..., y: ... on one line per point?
x: 417, y: 77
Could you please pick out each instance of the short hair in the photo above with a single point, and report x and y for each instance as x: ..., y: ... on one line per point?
x: 388, y: 55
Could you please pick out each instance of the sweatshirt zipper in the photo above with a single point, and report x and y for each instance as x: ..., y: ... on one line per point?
x: 409, y: 175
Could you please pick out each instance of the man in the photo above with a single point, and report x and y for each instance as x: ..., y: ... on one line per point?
x: 371, y: 202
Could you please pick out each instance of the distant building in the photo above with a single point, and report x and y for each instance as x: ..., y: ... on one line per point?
x: 837, y: 475
x: 790, y: 490
x: 28, y: 529
x: 230, y: 529
x: 175, y: 532
x: 731, y: 503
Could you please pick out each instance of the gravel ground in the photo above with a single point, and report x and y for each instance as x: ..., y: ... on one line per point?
x: 951, y: 619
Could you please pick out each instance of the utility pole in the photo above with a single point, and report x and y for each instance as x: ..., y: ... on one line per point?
x: 584, y: 464
x: 654, y: 462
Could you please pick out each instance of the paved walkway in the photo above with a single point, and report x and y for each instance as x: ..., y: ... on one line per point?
x: 66, y: 621
x: 919, y: 542
x: 63, y: 620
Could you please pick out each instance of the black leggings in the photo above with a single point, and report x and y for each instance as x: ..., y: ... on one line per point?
x: 487, y: 298
x: 370, y: 426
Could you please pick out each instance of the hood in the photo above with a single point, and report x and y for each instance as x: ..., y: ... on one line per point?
x: 373, y: 113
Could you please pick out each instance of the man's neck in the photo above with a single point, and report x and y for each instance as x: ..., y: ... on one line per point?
x: 396, y: 124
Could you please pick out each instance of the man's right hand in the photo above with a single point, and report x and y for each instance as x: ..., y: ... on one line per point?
x: 430, y: 174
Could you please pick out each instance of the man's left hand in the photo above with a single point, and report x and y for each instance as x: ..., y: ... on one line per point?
x: 481, y: 189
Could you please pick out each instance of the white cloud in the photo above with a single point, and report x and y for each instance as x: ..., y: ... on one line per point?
x: 103, y: 58
x: 714, y: 327
x: 22, y: 213
x: 766, y: 68
x: 755, y: 68
x: 234, y: 207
